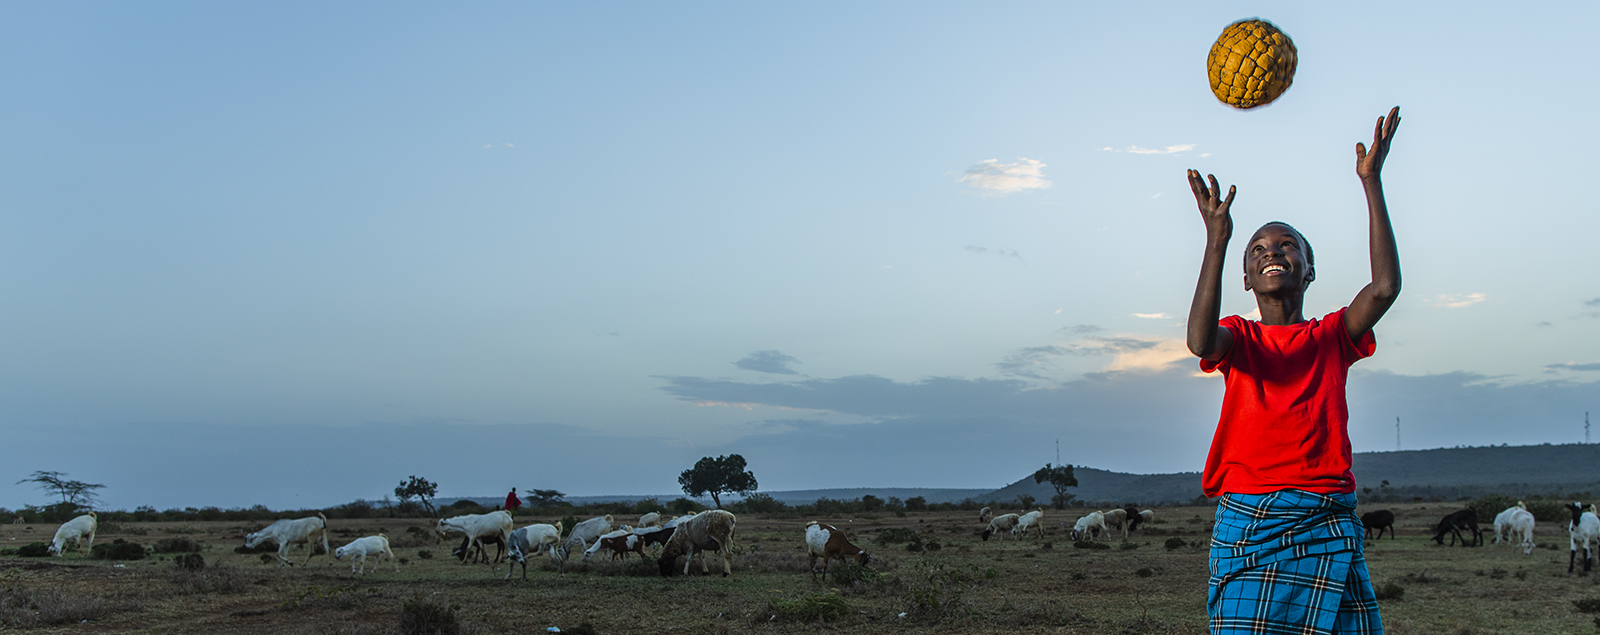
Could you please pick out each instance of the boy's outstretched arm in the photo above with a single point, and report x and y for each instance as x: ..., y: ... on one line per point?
x: 1375, y: 299
x: 1207, y: 339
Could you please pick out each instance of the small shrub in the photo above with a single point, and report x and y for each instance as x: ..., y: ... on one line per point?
x: 1047, y: 546
x: 581, y: 629
x: 897, y: 535
x: 1390, y: 591
x: 34, y: 550
x: 420, y: 616
x: 1522, y: 575
x: 190, y: 562
x: 1128, y: 545
x: 176, y: 545
x: 1079, y: 576
x: 850, y: 573
x: 812, y: 608
x: 424, y: 554
x: 1090, y: 544
x: 1175, y: 543
x: 119, y: 549
x: 1145, y: 572
x: 1587, y: 605
x: 267, y: 558
x: 1497, y: 574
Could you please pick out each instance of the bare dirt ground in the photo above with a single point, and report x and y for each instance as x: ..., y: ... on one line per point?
x: 1033, y: 585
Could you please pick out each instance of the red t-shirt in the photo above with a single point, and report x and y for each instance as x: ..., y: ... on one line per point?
x: 1284, y: 419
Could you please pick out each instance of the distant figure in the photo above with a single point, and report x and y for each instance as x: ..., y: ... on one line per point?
x: 17, y: 519
x: 512, y: 502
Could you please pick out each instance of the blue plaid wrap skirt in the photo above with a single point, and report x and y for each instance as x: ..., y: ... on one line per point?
x: 1290, y: 562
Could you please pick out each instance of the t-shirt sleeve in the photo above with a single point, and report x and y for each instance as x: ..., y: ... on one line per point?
x: 1353, y: 351
x: 1232, y: 324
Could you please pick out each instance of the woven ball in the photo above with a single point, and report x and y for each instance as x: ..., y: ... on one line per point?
x: 1251, y: 64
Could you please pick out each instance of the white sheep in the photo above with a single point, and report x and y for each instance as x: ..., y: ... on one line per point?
x: 1003, y: 522
x: 1030, y: 520
x: 707, y: 531
x: 1091, y: 525
x: 1116, y: 519
x: 285, y: 532
x: 79, y: 531
x: 652, y: 519
x: 360, y: 548
x: 476, y: 527
x: 531, y: 541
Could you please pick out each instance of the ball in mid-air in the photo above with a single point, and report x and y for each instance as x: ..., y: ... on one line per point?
x: 1251, y: 64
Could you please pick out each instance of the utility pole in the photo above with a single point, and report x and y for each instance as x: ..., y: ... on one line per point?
x: 1586, y: 427
x: 1397, y: 434
x: 1058, y: 445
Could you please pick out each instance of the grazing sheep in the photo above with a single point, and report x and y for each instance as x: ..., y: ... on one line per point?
x: 1454, y: 523
x: 287, y: 532
x: 1030, y: 520
x: 1502, y: 523
x: 79, y: 531
x: 984, y: 515
x: 1379, y: 520
x: 1091, y: 525
x: 1117, y: 519
x: 1003, y: 522
x: 369, y: 546
x: 829, y: 543
x: 476, y: 527
x: 1584, y: 528
x: 531, y: 541
x: 707, y: 531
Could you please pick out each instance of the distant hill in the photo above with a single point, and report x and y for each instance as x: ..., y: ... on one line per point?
x: 806, y: 496
x: 1445, y: 473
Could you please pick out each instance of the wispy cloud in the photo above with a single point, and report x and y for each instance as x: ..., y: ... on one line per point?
x: 1153, y: 316
x: 1594, y: 302
x: 1028, y: 362
x: 1182, y: 147
x: 1080, y: 329
x: 1458, y: 300
x: 768, y: 362
x: 985, y: 251
x: 1573, y: 366
x: 999, y: 179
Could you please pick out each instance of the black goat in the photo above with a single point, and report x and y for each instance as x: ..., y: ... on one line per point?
x: 481, y: 551
x: 1379, y: 520
x: 1134, y: 519
x: 1454, y: 523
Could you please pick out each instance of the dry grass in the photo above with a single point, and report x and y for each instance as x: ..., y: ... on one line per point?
x: 1001, y: 586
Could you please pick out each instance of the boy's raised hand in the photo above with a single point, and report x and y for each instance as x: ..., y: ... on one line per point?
x: 1213, y: 208
x: 1369, y: 164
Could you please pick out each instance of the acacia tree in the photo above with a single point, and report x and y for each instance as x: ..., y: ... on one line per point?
x: 544, y: 497
x: 1060, y: 477
x: 421, y: 489
x: 57, y: 484
x: 717, y: 476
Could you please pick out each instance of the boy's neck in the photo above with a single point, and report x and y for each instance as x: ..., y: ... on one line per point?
x: 1280, y: 311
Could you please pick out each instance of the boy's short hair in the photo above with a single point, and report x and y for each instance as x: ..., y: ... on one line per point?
x: 1311, y: 258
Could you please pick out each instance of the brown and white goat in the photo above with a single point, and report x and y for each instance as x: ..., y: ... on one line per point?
x: 828, y: 542
x: 707, y: 531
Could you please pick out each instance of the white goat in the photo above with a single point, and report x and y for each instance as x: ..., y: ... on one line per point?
x: 531, y: 541
x: 1584, y: 528
x: 1521, y: 526
x: 1502, y: 523
x: 707, y: 531
x: 1030, y: 520
x: 74, y: 531
x: 1003, y: 522
x: 984, y: 515
x: 582, y: 534
x: 588, y: 554
x: 1092, y: 524
x: 652, y: 519
x: 476, y: 527
x: 360, y: 548
x: 287, y: 532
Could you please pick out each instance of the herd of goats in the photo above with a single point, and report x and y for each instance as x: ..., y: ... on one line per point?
x: 712, y: 532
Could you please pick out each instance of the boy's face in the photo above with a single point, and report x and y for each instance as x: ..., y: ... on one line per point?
x: 1275, y: 262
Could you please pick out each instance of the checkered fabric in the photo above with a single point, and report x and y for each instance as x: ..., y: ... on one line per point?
x: 1290, y: 563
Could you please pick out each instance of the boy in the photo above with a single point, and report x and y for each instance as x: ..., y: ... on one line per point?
x: 1286, y: 549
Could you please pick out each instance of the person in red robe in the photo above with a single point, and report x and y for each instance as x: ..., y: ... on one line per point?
x: 512, y: 502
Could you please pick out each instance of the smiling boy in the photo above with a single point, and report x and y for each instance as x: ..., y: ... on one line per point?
x: 1286, y: 551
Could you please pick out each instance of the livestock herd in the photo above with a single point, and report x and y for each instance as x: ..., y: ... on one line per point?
x: 713, y: 532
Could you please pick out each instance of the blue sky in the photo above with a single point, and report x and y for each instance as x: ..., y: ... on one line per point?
x: 291, y: 254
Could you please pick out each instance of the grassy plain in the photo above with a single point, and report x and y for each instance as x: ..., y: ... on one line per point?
x: 982, y: 587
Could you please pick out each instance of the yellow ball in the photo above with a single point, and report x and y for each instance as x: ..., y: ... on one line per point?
x: 1251, y: 64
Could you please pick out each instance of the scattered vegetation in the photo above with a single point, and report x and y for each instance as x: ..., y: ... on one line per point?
x: 29, y: 607
x: 422, y: 616
x: 1390, y: 591
x: 1174, y: 543
x: 1090, y: 544
x: 190, y: 562
x: 34, y: 550
x: 118, y: 549
x: 176, y: 545
x: 938, y: 590
x: 812, y: 608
